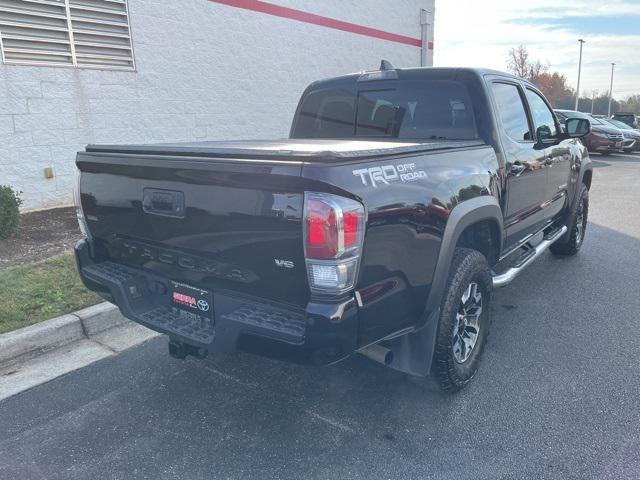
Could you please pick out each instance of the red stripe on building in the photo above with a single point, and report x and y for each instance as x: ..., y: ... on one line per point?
x: 306, y: 17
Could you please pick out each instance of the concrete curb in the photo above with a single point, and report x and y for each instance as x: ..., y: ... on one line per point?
x: 101, y: 317
x: 57, y: 332
x: 40, y: 353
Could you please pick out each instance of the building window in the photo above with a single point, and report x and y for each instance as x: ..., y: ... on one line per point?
x: 72, y: 33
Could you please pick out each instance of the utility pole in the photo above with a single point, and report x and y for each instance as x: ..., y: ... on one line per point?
x: 610, y: 91
x: 579, y: 71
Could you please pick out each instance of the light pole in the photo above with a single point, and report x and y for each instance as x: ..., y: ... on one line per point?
x: 425, y: 25
x: 610, y: 90
x: 579, y: 70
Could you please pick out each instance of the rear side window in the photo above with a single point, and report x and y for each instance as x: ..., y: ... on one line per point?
x: 429, y: 109
x: 512, y: 112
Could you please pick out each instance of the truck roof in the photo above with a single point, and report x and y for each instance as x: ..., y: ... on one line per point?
x: 420, y: 71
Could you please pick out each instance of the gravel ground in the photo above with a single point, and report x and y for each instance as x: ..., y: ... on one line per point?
x: 43, y: 234
x: 556, y: 396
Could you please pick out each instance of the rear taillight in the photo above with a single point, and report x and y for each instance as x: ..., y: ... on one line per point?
x: 334, y: 232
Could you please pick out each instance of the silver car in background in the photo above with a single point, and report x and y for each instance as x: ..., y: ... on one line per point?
x: 631, y: 135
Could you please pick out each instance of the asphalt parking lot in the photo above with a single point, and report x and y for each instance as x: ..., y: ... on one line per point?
x: 557, y: 395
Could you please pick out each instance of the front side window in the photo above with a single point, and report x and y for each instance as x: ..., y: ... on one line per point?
x: 512, y: 112
x: 543, y: 120
x: 420, y: 110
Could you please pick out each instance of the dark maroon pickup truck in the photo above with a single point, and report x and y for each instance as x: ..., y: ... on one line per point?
x: 401, y: 199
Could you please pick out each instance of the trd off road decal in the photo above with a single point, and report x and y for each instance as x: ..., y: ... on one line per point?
x: 385, y: 174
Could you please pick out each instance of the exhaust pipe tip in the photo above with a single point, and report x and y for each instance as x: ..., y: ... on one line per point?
x: 378, y: 353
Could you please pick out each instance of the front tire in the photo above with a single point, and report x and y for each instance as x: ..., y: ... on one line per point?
x: 465, y: 316
x: 577, y: 230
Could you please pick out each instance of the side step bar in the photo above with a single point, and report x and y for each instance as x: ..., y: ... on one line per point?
x: 523, y: 262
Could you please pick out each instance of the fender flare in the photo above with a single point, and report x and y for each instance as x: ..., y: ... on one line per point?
x: 413, y: 352
x: 462, y: 216
x: 571, y: 215
x: 585, y: 166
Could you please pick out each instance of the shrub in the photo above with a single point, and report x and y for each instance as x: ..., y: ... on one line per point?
x: 10, y: 202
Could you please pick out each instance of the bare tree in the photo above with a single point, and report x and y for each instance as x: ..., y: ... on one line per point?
x: 519, y: 64
x: 518, y: 61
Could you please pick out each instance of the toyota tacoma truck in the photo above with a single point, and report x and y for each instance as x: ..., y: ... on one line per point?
x: 401, y: 199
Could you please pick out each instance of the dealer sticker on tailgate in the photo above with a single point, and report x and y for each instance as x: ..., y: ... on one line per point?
x: 192, y: 299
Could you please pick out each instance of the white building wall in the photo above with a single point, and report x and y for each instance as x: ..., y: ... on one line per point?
x: 204, y: 71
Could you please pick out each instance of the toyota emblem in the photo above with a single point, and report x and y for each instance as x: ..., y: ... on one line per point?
x: 203, y: 305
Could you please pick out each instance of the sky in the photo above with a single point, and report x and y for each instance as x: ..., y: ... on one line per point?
x: 480, y: 34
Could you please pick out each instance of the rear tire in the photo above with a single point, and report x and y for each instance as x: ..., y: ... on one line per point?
x: 577, y: 230
x: 465, y: 316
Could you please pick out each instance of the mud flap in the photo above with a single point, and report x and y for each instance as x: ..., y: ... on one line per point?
x: 413, y: 352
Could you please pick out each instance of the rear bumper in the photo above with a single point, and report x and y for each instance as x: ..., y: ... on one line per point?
x: 322, y: 333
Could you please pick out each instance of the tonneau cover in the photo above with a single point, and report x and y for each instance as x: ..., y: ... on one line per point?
x: 287, y: 149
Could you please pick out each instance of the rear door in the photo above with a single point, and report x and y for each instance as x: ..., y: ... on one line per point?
x: 526, y: 173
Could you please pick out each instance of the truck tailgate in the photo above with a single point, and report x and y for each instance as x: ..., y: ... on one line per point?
x: 217, y: 224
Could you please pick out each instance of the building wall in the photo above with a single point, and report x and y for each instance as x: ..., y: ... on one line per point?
x: 204, y: 71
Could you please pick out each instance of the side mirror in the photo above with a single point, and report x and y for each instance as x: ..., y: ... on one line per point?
x: 577, y: 127
x: 544, y: 135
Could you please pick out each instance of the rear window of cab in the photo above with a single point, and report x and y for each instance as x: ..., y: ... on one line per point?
x: 420, y: 110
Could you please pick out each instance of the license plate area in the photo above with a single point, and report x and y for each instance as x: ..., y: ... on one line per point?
x: 194, y: 300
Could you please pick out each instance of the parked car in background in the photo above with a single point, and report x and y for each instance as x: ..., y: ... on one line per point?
x: 629, y: 133
x: 629, y: 118
x: 603, y: 138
